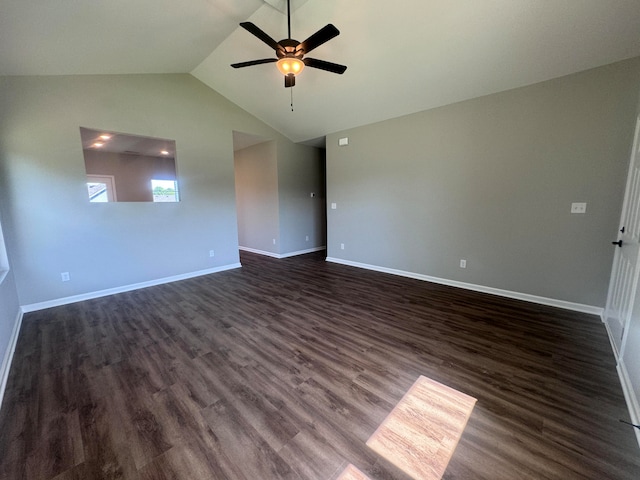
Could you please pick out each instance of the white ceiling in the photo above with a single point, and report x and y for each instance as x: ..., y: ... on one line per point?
x: 402, y: 56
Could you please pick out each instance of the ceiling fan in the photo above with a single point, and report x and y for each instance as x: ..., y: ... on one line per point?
x: 291, y: 53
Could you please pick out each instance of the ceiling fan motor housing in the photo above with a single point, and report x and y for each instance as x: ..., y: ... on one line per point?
x: 289, y: 48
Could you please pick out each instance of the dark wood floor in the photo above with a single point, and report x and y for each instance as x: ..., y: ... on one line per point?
x: 284, y: 368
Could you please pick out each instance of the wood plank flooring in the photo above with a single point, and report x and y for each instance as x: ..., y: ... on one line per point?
x: 422, y: 431
x: 284, y: 368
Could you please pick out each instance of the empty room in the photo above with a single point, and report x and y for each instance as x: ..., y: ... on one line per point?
x: 317, y: 239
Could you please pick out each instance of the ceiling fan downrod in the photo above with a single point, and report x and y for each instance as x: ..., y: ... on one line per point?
x: 289, y: 19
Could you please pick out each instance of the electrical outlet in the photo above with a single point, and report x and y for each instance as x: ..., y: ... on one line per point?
x: 578, y: 207
x: 463, y: 263
x: 306, y: 238
x: 342, y: 246
x: 212, y: 253
x: 334, y: 206
x: 274, y: 241
x: 65, y: 276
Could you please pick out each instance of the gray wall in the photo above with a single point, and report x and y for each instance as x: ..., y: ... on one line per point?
x: 50, y: 225
x: 257, y: 197
x: 491, y: 180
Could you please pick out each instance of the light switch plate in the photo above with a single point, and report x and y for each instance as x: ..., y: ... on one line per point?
x: 578, y: 207
x: 343, y: 141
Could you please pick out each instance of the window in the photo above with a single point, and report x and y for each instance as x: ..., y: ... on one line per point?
x: 102, y: 188
x: 4, y: 260
x: 165, y: 190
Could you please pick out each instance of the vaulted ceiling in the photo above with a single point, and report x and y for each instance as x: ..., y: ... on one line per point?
x: 402, y: 56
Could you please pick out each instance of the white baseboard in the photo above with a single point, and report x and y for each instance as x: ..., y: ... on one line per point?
x: 126, y: 288
x: 614, y: 348
x: 578, y: 307
x: 259, y: 252
x: 302, y: 252
x: 282, y: 255
x: 630, y: 397
x: 8, y: 355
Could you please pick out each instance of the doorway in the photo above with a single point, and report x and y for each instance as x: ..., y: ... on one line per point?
x: 280, y: 196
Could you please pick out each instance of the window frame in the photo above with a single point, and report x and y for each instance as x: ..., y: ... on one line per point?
x: 4, y: 258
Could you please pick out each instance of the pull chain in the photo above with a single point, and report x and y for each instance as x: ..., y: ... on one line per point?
x: 291, y: 90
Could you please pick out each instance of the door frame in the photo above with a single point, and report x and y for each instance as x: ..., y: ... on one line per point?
x: 110, y: 183
x: 619, y: 351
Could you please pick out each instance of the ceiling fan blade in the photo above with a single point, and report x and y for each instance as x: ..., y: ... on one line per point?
x: 254, y: 62
x: 323, y: 35
x: 258, y: 32
x: 322, y: 65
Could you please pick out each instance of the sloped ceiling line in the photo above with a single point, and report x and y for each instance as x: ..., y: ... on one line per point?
x: 402, y: 57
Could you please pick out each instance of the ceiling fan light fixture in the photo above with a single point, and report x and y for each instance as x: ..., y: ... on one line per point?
x: 290, y: 52
x: 288, y: 65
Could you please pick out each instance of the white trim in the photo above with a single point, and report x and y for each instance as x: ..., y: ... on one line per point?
x: 259, y: 252
x: 109, y: 182
x: 630, y: 397
x: 578, y: 307
x: 8, y: 355
x: 614, y: 348
x: 302, y: 252
x: 126, y: 288
x: 4, y: 258
x: 281, y: 255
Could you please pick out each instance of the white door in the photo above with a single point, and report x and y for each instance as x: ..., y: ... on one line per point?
x: 624, y: 275
x: 102, y: 188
